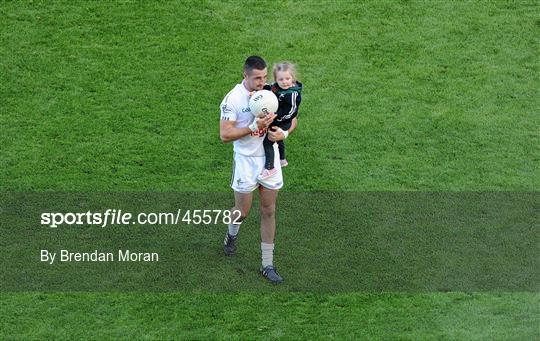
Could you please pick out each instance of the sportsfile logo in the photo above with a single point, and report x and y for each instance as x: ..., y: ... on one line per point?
x: 54, y: 219
x: 117, y: 217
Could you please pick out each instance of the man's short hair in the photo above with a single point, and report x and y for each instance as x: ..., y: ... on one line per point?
x: 254, y: 62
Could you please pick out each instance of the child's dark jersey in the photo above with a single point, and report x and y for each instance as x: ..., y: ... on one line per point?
x: 289, y: 101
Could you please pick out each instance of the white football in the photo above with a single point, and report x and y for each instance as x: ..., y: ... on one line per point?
x: 263, y: 102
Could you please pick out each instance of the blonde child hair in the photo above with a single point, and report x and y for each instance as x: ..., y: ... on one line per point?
x: 286, y: 66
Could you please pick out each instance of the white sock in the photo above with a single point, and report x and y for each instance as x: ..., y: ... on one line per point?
x: 267, y: 254
x: 233, y: 229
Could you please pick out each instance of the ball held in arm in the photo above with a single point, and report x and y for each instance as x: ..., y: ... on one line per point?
x: 262, y: 103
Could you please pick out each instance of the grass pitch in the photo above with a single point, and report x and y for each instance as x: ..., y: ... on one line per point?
x: 400, y: 95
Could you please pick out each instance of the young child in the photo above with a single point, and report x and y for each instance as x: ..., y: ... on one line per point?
x: 288, y: 91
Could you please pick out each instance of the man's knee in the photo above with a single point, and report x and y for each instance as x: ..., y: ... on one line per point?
x: 242, y: 206
x: 239, y: 213
x: 268, y: 211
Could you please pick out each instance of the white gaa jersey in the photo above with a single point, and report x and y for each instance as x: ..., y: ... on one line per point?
x: 235, y: 107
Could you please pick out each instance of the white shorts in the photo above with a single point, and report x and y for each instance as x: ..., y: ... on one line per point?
x: 247, y: 168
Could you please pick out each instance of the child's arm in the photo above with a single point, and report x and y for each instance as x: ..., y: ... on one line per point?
x: 291, y: 103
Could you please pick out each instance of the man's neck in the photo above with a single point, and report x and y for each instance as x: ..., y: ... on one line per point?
x: 245, y: 87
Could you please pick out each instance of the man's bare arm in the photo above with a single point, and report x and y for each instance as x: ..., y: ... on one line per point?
x: 294, y: 122
x: 277, y: 134
x: 229, y: 132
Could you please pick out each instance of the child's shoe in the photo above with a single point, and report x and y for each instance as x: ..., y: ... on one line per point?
x: 266, y: 173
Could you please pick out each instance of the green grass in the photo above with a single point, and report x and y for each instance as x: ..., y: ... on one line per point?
x: 399, y: 95
x: 270, y: 316
x: 377, y: 242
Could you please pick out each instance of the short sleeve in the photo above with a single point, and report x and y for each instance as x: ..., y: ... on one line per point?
x: 228, y: 112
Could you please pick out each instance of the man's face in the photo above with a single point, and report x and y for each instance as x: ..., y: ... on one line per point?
x: 255, y: 79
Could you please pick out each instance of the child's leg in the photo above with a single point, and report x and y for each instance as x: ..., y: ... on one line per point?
x: 268, y: 153
x: 281, y: 148
x: 281, y: 144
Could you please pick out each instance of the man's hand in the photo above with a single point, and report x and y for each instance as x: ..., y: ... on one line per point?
x: 265, y: 121
x: 277, y: 134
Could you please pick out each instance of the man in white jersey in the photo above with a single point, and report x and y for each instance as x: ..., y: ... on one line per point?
x: 239, y: 125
